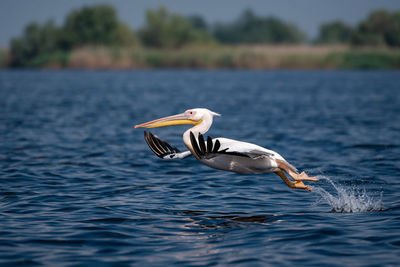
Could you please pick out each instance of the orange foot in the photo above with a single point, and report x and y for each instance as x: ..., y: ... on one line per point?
x: 301, y: 185
x: 304, y: 177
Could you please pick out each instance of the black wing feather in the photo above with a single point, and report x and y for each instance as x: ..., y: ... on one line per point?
x: 209, y: 144
x: 217, y: 145
x: 195, y: 145
x: 202, y: 144
x: 159, y: 147
x: 151, y: 145
x: 201, y: 151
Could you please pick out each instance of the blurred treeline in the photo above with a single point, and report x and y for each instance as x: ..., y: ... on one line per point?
x: 164, y: 33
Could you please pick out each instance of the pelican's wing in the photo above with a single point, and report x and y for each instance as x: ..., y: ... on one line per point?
x: 162, y: 149
x: 231, y: 155
x: 212, y: 148
x: 236, y: 148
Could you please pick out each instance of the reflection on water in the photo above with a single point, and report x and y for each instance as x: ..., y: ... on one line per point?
x: 226, y: 220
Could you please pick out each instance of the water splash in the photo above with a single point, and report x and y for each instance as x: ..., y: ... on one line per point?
x: 346, y: 200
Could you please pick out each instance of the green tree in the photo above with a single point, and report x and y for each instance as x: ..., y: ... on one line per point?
x: 92, y: 25
x: 381, y: 27
x: 198, y: 22
x: 36, y: 40
x: 124, y: 36
x: 334, y: 33
x: 168, y: 30
x: 96, y: 25
x: 250, y: 28
x: 393, y: 36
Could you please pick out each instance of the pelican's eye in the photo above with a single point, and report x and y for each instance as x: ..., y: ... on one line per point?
x: 190, y: 114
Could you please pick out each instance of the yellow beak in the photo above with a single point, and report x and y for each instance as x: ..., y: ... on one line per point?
x: 179, y: 119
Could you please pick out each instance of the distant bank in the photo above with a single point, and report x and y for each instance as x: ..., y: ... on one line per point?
x: 218, y: 57
x: 93, y: 37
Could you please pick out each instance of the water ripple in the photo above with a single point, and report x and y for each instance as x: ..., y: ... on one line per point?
x: 80, y: 187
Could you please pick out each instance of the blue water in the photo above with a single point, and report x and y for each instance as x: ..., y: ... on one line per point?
x: 79, y: 185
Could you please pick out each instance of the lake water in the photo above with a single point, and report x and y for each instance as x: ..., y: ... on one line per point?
x: 79, y: 186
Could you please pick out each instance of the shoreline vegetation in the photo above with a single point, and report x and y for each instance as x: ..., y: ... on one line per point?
x: 94, y: 38
x: 252, y: 57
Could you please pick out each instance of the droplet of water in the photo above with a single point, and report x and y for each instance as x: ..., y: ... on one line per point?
x: 348, y: 199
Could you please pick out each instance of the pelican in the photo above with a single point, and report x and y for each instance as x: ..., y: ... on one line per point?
x: 221, y: 153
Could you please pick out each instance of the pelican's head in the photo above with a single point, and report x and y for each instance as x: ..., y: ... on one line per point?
x: 193, y: 116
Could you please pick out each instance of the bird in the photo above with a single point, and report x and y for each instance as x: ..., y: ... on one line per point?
x: 221, y: 153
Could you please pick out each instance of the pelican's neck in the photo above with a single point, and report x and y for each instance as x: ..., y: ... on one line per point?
x: 201, y: 128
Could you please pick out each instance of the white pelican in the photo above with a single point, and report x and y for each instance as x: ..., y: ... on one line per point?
x: 221, y: 153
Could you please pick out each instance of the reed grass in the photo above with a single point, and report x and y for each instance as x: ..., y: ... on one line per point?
x: 221, y: 57
x: 4, y: 58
